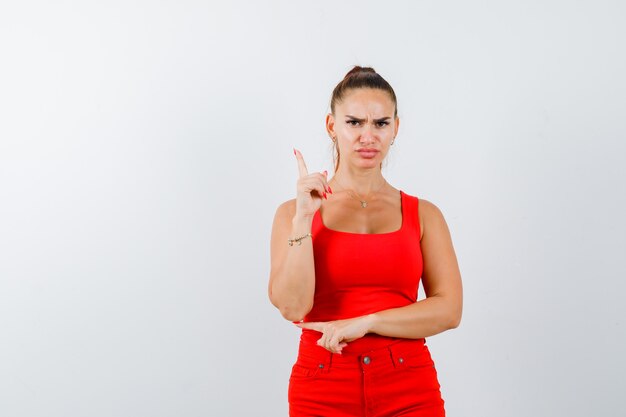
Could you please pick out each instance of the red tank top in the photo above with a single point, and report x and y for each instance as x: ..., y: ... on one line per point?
x: 358, y: 274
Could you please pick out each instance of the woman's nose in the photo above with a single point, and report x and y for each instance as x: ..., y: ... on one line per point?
x: 366, y: 134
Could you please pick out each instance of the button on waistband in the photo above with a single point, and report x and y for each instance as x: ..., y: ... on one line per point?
x: 366, y: 360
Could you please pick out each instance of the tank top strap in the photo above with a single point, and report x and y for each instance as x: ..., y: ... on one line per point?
x: 316, y: 226
x: 410, y: 213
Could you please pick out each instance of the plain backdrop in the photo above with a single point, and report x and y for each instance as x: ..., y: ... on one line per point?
x: 145, y: 146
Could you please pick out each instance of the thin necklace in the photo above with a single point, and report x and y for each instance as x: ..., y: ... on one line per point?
x: 354, y: 194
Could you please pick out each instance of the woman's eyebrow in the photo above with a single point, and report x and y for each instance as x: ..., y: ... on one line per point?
x: 382, y: 119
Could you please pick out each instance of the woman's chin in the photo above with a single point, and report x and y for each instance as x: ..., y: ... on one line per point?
x: 367, y: 162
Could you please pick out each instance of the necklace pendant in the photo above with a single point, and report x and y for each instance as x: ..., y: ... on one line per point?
x: 363, y: 204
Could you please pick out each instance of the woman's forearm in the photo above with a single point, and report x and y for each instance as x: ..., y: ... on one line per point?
x: 424, y: 318
x: 294, y: 284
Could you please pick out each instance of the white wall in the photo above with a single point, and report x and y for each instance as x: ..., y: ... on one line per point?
x: 144, y: 147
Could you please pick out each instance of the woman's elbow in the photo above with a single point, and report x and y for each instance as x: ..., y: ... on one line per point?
x: 292, y: 310
x: 454, y: 320
x: 293, y: 314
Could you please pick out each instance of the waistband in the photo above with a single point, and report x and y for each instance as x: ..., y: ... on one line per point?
x: 401, y: 353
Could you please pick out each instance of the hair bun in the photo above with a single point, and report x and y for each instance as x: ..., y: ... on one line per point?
x: 357, y: 70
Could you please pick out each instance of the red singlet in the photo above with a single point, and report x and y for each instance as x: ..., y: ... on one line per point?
x: 358, y: 274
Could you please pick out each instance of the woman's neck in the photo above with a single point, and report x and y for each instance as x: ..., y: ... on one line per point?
x: 362, y: 182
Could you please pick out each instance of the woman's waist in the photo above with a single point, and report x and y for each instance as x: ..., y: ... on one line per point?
x: 367, y: 343
x: 398, y: 351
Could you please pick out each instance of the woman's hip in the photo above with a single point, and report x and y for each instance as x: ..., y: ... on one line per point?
x: 385, y: 381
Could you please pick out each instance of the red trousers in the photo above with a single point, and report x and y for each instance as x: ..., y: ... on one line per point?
x: 397, y: 380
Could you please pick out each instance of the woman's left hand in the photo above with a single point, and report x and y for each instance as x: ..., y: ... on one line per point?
x: 337, y: 333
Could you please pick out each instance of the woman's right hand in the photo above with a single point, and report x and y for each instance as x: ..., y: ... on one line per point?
x: 311, y: 188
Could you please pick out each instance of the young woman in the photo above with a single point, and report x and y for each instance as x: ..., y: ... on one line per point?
x: 347, y: 255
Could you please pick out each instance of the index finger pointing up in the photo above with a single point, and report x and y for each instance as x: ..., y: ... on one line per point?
x: 301, y: 165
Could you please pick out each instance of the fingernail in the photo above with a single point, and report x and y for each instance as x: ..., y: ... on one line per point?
x: 325, y: 196
x: 330, y: 190
x: 294, y: 151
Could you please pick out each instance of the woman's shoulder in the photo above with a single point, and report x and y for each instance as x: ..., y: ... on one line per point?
x: 430, y: 216
x: 427, y: 205
x: 289, y: 204
x: 429, y: 209
x: 286, y: 208
x: 428, y: 212
x: 424, y: 204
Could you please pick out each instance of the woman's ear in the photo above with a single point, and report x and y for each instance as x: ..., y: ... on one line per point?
x: 330, y: 125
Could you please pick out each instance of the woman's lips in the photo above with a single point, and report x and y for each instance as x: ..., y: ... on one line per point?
x: 367, y: 153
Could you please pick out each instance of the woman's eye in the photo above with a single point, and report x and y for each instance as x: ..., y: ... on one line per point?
x: 356, y: 123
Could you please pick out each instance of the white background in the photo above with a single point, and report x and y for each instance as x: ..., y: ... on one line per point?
x: 144, y: 148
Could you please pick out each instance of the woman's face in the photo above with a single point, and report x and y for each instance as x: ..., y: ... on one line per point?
x: 364, y: 126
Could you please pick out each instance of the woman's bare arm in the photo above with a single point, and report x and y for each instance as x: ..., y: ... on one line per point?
x: 292, y: 275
